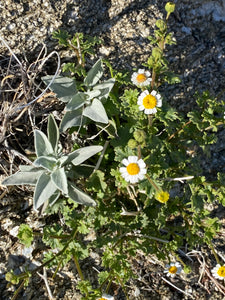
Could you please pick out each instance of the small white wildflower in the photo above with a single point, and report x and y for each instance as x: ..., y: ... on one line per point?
x: 219, y: 272
x: 149, y: 102
x: 106, y: 297
x: 173, y: 269
x: 134, y: 169
x: 141, y: 78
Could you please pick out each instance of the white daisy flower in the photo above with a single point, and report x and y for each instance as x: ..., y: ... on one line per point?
x: 106, y: 297
x: 134, y: 170
x: 141, y: 78
x: 173, y: 269
x: 149, y: 102
x: 219, y: 271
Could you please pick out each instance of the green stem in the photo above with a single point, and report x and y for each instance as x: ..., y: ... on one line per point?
x: 214, y: 253
x: 124, y: 289
x: 108, y: 285
x: 18, y: 290
x: 152, y: 183
x: 150, y: 120
x: 78, y: 267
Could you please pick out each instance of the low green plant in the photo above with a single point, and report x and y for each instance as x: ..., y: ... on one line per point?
x: 149, y: 188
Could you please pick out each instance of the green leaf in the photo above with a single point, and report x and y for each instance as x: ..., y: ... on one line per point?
x: 71, y: 119
x: 60, y: 180
x: 78, y: 196
x: 46, y: 162
x: 63, y: 87
x: 53, y: 132
x: 53, y: 198
x: 92, y: 94
x: 104, y: 88
x: 96, y: 112
x: 94, y: 74
x: 62, y: 37
x: 23, y: 178
x: 45, y: 188
x: 41, y: 143
x: 25, y: 235
x: 80, y: 155
x: 77, y: 101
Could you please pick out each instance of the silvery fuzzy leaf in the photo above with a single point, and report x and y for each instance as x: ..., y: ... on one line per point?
x: 71, y: 119
x: 80, y: 155
x: 23, y: 178
x: 96, y: 112
x: 76, y: 102
x: 59, y: 178
x: 63, y: 87
x: 44, y: 189
x: 41, y: 143
x: 79, y: 196
x: 104, y: 88
x: 94, y: 74
x: 53, y: 132
x: 46, y: 162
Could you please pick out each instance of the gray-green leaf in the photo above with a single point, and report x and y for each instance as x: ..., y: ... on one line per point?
x: 63, y: 87
x: 46, y: 162
x: 22, y: 178
x: 77, y: 101
x: 94, y: 74
x: 41, y: 143
x: 59, y: 178
x: 78, y: 196
x: 53, y: 132
x: 80, y: 155
x: 45, y: 188
x: 104, y: 88
x: 96, y: 112
x: 71, y: 119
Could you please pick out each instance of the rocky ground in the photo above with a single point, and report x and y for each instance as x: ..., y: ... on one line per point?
x: 123, y: 26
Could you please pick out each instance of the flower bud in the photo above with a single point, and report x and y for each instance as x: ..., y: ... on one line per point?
x: 170, y: 7
x: 132, y: 144
x: 140, y: 136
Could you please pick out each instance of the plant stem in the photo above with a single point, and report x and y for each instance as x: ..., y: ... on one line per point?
x: 214, y: 253
x: 78, y: 267
x: 150, y: 120
x: 108, y: 285
x: 152, y: 183
x: 18, y: 290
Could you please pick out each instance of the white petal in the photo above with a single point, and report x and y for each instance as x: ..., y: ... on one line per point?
x: 123, y: 170
x: 141, y: 71
x: 148, y: 111
x: 141, y: 163
x: 153, y: 93
x: 125, y: 162
x: 140, y: 176
x: 141, y: 107
x: 154, y: 110
x: 132, y: 159
x: 159, y: 103
x: 140, y: 101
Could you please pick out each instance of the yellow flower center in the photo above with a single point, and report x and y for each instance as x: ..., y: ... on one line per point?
x: 133, y: 169
x: 162, y: 196
x: 221, y: 271
x: 149, y: 101
x: 173, y: 270
x: 141, y: 78
x: 102, y: 299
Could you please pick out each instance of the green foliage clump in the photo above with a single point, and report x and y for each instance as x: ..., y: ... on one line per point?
x: 109, y: 204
